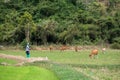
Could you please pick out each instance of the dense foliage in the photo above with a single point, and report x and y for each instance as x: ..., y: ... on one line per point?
x: 59, y: 21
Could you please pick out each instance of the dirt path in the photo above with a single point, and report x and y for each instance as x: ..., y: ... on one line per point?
x: 21, y: 60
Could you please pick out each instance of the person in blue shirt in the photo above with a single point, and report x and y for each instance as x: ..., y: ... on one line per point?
x: 27, y: 51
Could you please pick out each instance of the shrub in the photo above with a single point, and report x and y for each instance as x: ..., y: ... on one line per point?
x: 23, y: 44
x: 115, y: 46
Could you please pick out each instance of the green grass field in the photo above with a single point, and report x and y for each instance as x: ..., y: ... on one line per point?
x: 9, y: 61
x: 26, y: 73
x: 70, y: 65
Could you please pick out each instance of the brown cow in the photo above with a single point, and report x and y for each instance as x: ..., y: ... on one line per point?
x: 93, y: 53
x: 76, y: 49
x: 63, y: 48
x: 51, y: 48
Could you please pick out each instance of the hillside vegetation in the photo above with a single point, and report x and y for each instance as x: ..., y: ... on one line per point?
x: 59, y: 21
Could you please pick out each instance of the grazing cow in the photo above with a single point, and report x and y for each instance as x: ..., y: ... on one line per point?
x: 63, y: 48
x: 51, y: 48
x: 76, y: 49
x: 93, y: 53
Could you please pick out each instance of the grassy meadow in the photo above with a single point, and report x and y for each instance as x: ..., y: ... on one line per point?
x: 26, y: 73
x: 71, y: 65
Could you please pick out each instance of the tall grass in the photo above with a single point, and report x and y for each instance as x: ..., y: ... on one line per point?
x: 63, y: 72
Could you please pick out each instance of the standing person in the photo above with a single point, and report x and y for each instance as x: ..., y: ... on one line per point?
x: 27, y: 51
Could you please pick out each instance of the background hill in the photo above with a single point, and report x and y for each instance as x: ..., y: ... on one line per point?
x: 60, y: 21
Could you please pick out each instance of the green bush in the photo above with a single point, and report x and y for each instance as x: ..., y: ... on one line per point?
x: 23, y: 44
x: 115, y: 46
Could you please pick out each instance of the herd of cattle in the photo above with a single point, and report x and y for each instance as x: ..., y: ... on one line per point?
x: 94, y: 50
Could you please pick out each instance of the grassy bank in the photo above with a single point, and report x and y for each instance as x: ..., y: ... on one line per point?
x: 70, y: 65
x: 26, y: 73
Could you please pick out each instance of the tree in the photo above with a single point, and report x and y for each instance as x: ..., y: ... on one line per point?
x: 98, y: 9
x: 27, y: 24
x: 62, y: 21
x: 45, y: 32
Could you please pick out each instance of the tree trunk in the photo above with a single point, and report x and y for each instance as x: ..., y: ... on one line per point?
x: 27, y: 33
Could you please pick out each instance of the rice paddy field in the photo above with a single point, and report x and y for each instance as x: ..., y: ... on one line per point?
x: 63, y: 65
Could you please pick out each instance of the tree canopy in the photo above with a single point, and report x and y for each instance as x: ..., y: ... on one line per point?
x: 59, y: 21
